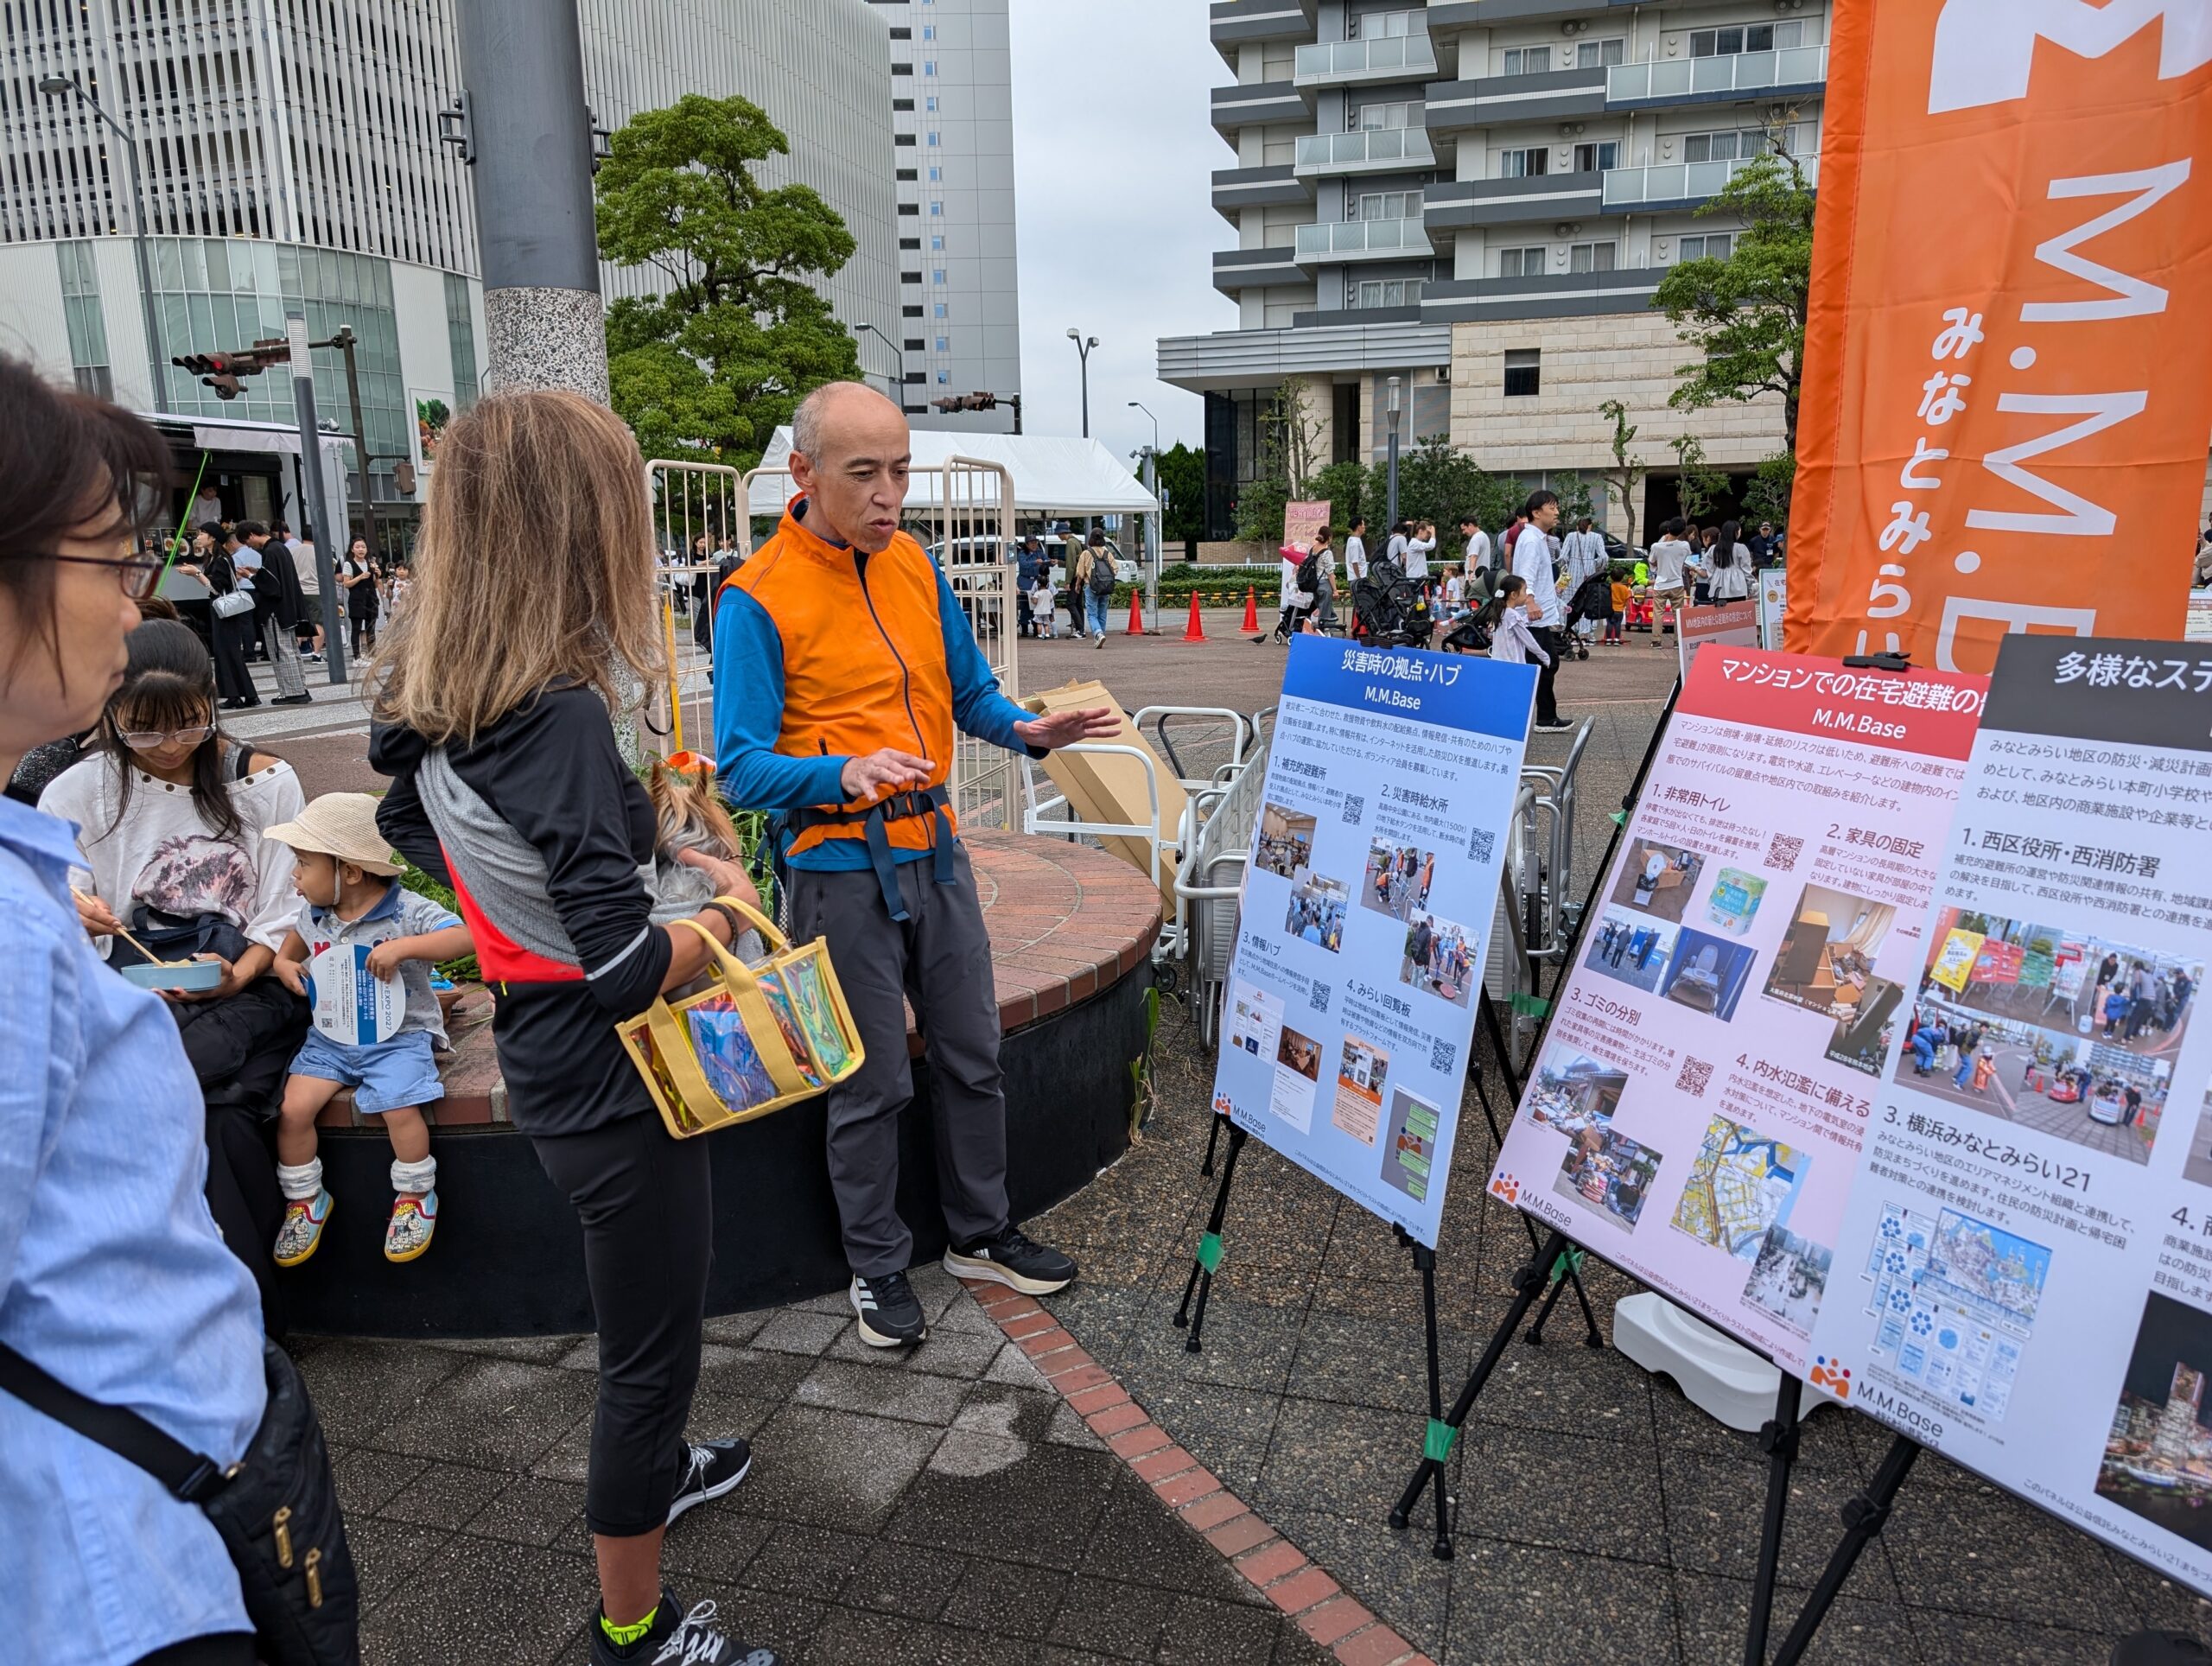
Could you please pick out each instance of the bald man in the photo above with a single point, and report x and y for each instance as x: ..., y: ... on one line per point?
x: 844, y: 665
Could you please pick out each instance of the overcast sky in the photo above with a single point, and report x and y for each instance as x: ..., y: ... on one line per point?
x: 1112, y: 156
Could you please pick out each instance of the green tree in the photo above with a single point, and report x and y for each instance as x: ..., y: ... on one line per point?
x: 1746, y: 315
x: 1288, y: 434
x: 1440, y: 484
x: 1767, y: 499
x: 1181, y: 470
x: 1627, y: 473
x: 707, y: 369
x: 1350, y: 489
x: 1701, y: 485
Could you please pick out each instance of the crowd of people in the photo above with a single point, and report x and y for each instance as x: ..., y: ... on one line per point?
x: 202, y: 957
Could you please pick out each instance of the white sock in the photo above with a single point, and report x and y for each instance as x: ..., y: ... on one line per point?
x: 300, y: 1182
x: 414, y: 1177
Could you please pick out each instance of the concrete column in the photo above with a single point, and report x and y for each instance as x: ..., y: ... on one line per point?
x: 544, y: 322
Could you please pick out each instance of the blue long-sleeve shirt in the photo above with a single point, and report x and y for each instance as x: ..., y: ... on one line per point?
x: 749, y: 716
x: 114, y: 1279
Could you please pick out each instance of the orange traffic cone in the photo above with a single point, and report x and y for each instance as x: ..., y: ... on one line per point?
x: 1196, y: 630
x: 1251, y: 608
x: 1137, y: 612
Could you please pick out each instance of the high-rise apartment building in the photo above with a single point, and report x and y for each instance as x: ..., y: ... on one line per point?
x: 1479, y: 197
x: 292, y: 155
x: 952, y: 122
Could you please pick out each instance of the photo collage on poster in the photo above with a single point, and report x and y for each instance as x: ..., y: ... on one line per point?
x: 1365, y: 914
x: 1696, y: 1110
x: 2023, y: 1276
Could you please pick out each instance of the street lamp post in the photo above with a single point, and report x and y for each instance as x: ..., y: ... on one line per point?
x: 1084, y: 344
x: 1390, y: 507
x: 54, y: 87
x: 1153, y: 526
x: 898, y: 352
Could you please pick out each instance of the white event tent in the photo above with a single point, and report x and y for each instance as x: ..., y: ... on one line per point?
x: 1052, y: 476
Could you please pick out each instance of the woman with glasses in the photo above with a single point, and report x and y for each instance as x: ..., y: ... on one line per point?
x: 113, y: 1277
x: 168, y: 813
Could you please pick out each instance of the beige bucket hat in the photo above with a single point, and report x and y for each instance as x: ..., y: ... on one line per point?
x: 340, y: 824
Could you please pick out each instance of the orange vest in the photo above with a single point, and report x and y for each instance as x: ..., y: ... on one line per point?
x: 863, y: 662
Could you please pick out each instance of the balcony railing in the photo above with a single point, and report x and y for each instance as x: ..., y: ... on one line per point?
x: 1682, y: 181
x: 1742, y: 72
x: 1369, y: 150
x: 1386, y: 58
x: 1350, y: 239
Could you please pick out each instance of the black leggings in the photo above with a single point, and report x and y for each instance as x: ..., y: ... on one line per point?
x: 365, y: 633
x: 226, y: 1649
x: 645, y: 1202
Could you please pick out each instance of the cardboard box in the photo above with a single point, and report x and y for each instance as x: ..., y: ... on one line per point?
x: 1112, y: 789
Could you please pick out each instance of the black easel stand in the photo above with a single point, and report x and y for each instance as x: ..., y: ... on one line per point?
x: 1213, y: 1139
x: 1778, y: 1439
x: 1425, y: 1264
x: 1592, y: 1337
x: 1445, y: 1433
x: 1863, y: 1517
x: 1209, y: 1255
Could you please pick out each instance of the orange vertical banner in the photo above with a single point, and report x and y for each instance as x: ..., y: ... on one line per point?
x: 2008, y: 367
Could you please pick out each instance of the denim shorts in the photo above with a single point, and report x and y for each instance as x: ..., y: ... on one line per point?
x: 384, y: 1076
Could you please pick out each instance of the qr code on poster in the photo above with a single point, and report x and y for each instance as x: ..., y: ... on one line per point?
x: 1696, y: 1075
x: 1441, y: 1054
x: 1317, y: 996
x: 1481, y: 842
x: 1784, y: 852
x: 1354, y: 809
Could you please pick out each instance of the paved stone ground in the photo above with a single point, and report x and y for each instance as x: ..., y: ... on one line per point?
x: 945, y: 1507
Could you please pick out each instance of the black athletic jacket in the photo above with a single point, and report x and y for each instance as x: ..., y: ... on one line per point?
x: 551, y: 772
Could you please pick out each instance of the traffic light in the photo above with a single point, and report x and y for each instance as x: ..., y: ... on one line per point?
x: 968, y: 402
x: 221, y: 371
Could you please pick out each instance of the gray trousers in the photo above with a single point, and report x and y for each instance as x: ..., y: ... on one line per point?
x: 283, y: 650
x: 940, y: 959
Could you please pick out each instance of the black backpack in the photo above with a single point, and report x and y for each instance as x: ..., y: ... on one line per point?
x: 1102, y: 574
x: 1309, y: 573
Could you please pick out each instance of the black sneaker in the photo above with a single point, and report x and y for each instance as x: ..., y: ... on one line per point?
x: 679, y: 1639
x: 293, y: 700
x: 711, y: 1468
x: 889, y: 1315
x: 1007, y: 1257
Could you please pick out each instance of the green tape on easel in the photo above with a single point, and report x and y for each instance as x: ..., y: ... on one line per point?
x: 1437, y: 1444
x: 1530, y: 1006
x: 1620, y: 818
x: 1570, y: 1261
x: 1210, y: 1251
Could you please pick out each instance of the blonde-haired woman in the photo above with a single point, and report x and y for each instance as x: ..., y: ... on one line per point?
x: 491, y: 697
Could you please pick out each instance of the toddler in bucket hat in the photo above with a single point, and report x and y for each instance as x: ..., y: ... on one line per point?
x: 360, y: 952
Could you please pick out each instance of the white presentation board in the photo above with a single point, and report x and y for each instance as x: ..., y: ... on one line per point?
x: 1695, y: 1111
x: 1365, y: 915
x: 2023, y: 1279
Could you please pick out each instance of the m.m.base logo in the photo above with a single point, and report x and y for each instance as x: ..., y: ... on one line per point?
x: 1504, y: 1186
x: 1828, y: 1374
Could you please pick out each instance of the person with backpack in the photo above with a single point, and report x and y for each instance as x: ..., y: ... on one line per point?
x: 1296, y: 598
x: 1094, y: 578
x: 1317, y: 577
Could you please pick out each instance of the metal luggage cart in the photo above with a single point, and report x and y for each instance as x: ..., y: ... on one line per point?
x: 1211, y: 882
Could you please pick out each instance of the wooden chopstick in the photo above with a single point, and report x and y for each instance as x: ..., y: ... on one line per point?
x: 124, y: 934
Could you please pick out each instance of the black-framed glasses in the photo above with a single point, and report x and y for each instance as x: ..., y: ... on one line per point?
x: 154, y: 740
x: 136, y: 575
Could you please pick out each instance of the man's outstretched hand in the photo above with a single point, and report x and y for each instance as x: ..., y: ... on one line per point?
x: 1065, y: 728
x: 889, y: 770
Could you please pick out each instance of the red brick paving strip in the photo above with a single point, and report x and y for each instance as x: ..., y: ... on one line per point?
x: 1275, y: 1566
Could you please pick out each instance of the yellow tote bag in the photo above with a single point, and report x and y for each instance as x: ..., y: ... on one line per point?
x: 755, y: 1039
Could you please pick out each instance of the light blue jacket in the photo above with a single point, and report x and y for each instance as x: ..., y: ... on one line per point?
x: 113, y: 1278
